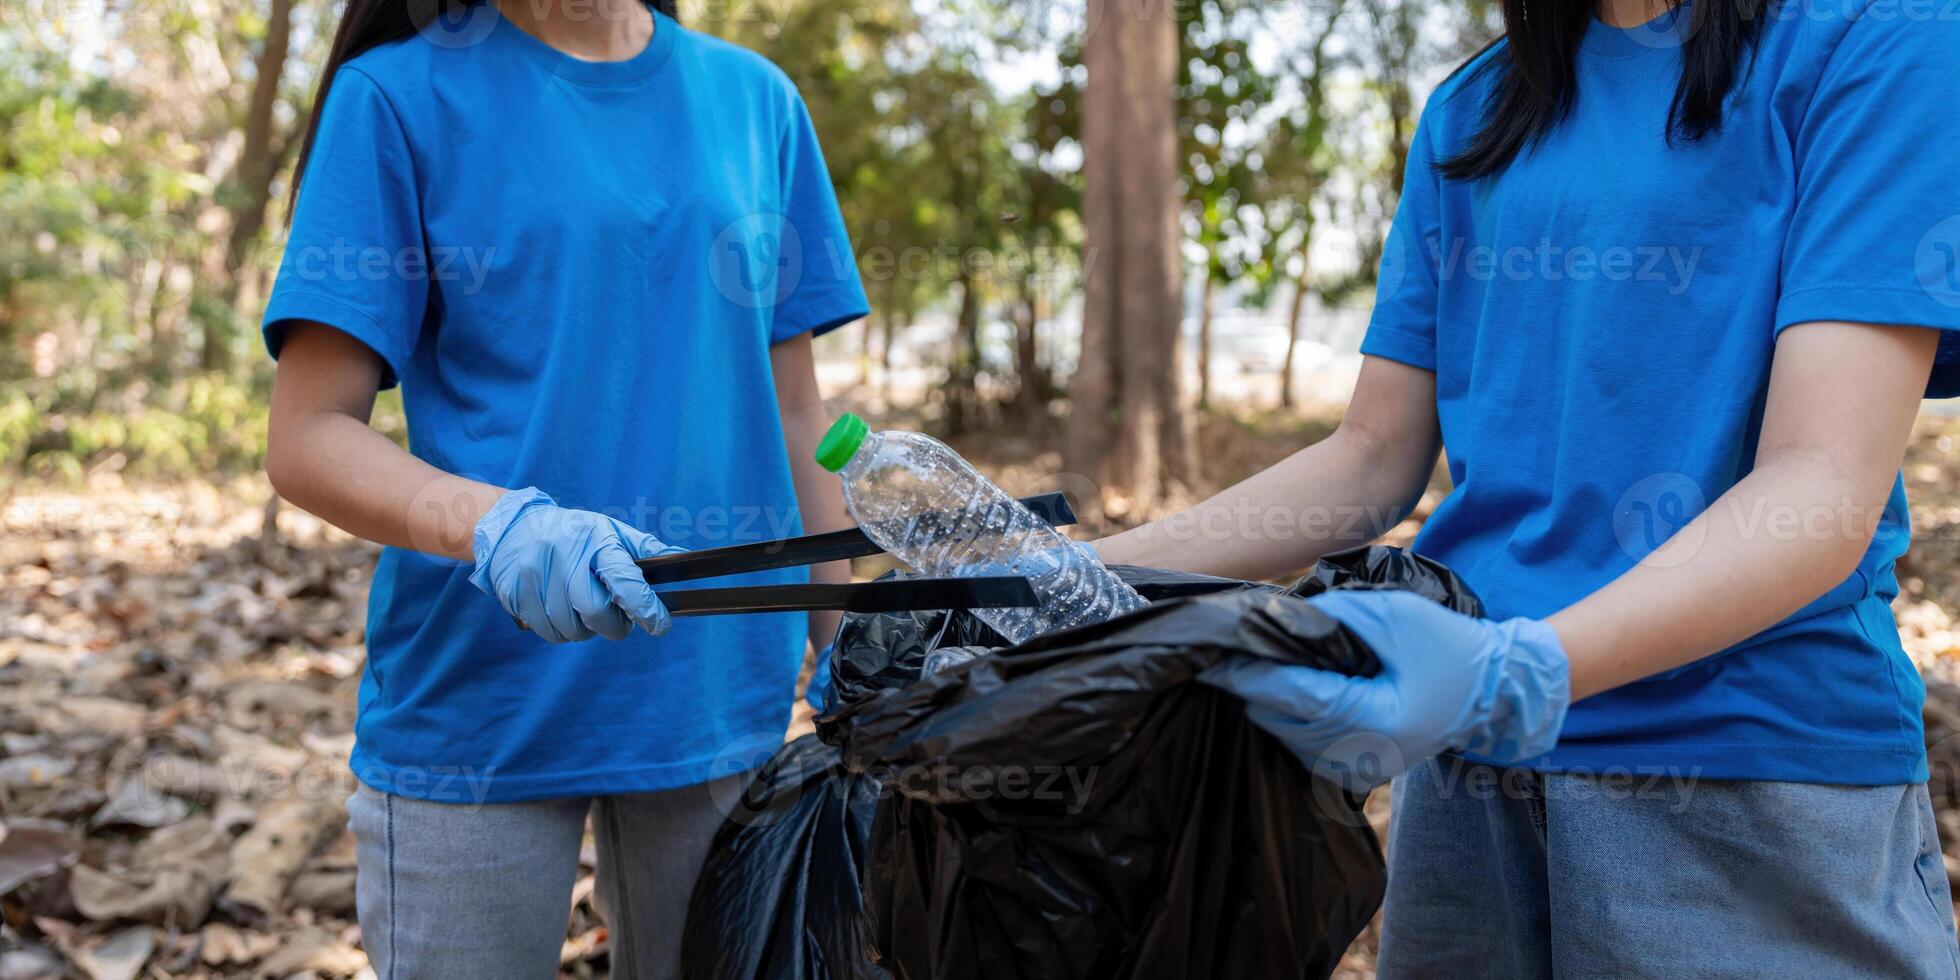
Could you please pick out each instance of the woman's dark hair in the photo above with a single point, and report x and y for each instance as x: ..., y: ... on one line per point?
x: 368, y: 24
x: 1536, y: 80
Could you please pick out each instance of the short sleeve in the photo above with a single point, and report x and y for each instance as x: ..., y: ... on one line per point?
x: 826, y: 293
x: 355, y: 257
x: 1403, y: 325
x: 1875, y: 237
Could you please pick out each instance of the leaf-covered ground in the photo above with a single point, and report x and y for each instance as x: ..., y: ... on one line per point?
x: 177, y: 675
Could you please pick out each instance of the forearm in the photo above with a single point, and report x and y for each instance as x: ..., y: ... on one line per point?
x: 819, y: 494
x: 334, y: 466
x: 820, y: 502
x: 1786, y: 534
x: 1841, y: 403
x: 1343, y: 491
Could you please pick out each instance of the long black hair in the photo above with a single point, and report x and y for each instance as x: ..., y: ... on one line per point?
x: 366, y: 24
x: 1536, y: 79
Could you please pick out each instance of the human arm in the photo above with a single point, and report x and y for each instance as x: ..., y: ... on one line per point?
x: 567, y: 574
x: 1340, y: 492
x: 322, y: 455
x: 1839, y: 410
x: 819, y: 494
x: 1842, y: 398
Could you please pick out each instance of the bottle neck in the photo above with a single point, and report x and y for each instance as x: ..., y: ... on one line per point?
x: 861, y: 459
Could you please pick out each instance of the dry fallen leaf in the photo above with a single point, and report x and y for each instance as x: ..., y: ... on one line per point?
x: 119, y: 957
x: 134, y: 802
x: 93, y: 715
x: 267, y: 857
x: 33, y: 771
x: 31, y: 849
x: 221, y: 944
x: 313, y: 948
x: 30, y: 961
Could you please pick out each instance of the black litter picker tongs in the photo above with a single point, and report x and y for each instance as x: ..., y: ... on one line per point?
x: 892, y: 595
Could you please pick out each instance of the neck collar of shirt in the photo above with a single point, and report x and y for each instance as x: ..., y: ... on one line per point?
x: 1662, y: 34
x: 629, y: 71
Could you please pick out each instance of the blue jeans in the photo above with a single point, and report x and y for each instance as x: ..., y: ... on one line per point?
x: 449, y: 890
x: 1506, y: 873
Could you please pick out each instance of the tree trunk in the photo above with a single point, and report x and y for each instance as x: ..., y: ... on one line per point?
x: 1298, y: 307
x: 258, y: 163
x: 1031, y: 393
x: 1180, y: 424
x: 885, y: 348
x: 1128, y: 424
x: 864, y: 351
x: 1204, y: 343
x: 962, y: 388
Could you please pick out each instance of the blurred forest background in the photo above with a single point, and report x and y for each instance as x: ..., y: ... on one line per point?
x: 149, y: 144
x: 1137, y: 291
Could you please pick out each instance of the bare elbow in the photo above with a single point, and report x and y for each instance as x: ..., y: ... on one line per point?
x: 1847, y: 552
x: 1405, y: 458
x: 283, y: 458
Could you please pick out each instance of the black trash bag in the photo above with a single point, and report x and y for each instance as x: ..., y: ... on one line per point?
x: 778, y: 896
x: 1080, y: 807
x: 880, y: 651
x: 1378, y: 566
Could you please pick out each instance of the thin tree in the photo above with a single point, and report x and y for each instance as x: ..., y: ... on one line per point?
x: 1128, y: 425
x: 259, y: 160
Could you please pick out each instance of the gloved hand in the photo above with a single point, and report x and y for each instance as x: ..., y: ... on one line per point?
x: 566, y: 574
x: 1448, y: 682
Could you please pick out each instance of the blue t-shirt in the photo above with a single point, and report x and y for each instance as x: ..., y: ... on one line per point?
x: 1601, y: 316
x: 576, y: 271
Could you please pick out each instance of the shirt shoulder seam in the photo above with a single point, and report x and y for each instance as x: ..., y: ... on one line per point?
x: 395, y: 114
x: 1854, y: 288
x: 315, y: 295
x: 1830, y: 59
x: 1398, y: 331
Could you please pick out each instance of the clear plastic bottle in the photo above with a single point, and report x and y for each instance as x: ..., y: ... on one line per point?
x: 916, y: 498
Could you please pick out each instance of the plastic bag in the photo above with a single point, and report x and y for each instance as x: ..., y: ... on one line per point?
x: 1198, y: 847
x: 778, y: 896
x: 1382, y: 567
x: 1080, y: 807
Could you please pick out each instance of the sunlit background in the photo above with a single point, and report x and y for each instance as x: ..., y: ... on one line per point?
x: 158, y: 603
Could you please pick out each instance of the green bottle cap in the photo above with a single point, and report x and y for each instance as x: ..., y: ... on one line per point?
x: 841, y: 442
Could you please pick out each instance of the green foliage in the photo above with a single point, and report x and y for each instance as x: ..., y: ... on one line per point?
x: 18, y: 423
x: 205, y: 423
x: 129, y: 283
x: 1220, y: 93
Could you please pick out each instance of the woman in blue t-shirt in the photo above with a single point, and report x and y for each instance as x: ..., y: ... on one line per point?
x: 592, y: 247
x: 1666, y: 287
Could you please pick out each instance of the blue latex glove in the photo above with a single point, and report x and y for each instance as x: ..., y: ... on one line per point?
x: 1448, y: 682
x: 566, y: 574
